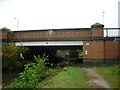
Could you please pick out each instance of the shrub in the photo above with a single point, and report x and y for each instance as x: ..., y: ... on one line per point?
x: 33, y: 73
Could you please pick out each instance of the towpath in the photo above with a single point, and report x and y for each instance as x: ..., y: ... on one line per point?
x: 96, y: 80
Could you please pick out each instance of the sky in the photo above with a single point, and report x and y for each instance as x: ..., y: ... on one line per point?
x: 55, y: 14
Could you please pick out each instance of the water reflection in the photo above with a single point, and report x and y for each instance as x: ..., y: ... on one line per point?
x: 9, y: 76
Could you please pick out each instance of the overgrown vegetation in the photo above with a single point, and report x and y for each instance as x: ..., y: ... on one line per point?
x: 10, y: 33
x: 111, y: 74
x: 11, y: 56
x: 33, y: 74
x: 10, y: 53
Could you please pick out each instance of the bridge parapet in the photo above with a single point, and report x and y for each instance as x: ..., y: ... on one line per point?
x: 93, y: 33
x: 52, y: 34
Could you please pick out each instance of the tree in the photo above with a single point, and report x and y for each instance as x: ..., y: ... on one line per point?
x: 10, y: 33
x: 10, y: 56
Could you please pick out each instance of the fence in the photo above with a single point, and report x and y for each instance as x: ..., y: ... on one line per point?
x: 111, y: 32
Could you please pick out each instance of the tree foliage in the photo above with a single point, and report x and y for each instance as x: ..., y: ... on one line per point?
x: 10, y: 33
x: 10, y: 56
x: 12, y: 51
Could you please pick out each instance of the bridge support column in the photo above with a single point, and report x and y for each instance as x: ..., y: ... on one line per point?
x: 100, y: 49
x: 94, y: 49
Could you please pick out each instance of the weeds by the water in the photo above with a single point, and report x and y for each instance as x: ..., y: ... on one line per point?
x: 33, y: 74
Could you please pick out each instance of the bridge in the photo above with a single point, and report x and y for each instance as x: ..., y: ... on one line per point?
x: 97, y: 43
x: 54, y: 37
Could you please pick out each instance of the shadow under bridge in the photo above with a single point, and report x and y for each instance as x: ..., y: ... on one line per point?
x: 58, y: 51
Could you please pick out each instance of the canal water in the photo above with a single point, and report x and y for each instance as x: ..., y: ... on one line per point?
x: 9, y: 76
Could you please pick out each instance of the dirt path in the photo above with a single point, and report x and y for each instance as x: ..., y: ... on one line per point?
x: 96, y: 80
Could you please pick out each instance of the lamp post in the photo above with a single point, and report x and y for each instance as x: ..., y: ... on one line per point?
x: 17, y: 23
x: 103, y: 17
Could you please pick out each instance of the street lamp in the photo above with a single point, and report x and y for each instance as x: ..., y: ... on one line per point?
x: 103, y: 17
x: 17, y: 23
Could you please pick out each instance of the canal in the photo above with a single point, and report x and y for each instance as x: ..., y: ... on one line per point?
x: 9, y: 76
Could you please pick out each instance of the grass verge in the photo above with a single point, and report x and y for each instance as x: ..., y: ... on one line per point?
x: 111, y: 74
x: 74, y: 77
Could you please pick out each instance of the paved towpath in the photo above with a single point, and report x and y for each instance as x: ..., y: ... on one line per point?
x: 96, y: 80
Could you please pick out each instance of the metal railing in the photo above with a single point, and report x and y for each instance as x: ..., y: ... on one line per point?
x: 111, y: 32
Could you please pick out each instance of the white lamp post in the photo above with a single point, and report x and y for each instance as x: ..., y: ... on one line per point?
x: 103, y: 17
x: 17, y: 23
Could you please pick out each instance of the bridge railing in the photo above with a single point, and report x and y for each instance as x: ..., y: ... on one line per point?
x: 111, y: 32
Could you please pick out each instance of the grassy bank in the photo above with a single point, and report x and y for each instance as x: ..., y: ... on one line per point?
x: 111, y: 74
x: 74, y: 77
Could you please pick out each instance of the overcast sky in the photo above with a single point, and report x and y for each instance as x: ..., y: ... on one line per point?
x: 52, y: 14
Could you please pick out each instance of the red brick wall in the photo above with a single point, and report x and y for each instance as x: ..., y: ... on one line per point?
x: 0, y: 35
x: 119, y: 50
x: 97, y: 33
x: 103, y: 51
x: 95, y: 50
x: 4, y: 35
x: 53, y: 34
x: 88, y: 48
x: 111, y: 50
x: 98, y: 50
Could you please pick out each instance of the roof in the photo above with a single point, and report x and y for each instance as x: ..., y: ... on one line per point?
x: 97, y: 24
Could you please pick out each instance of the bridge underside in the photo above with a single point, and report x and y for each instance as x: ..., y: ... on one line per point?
x: 56, y: 53
x: 50, y: 43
